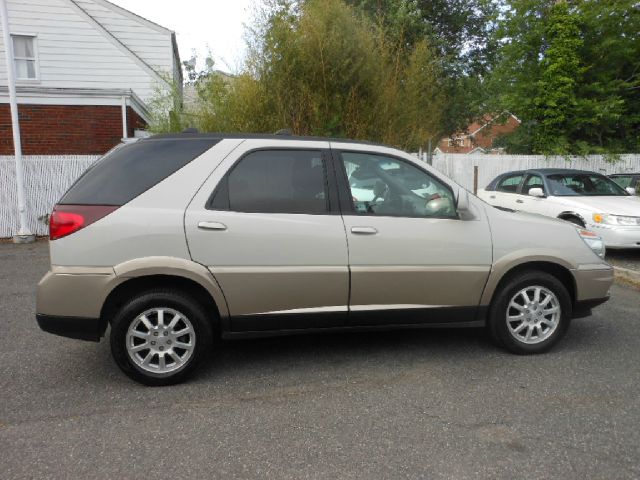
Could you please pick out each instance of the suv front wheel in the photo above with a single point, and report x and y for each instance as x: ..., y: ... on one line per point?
x: 159, y: 337
x: 530, y: 313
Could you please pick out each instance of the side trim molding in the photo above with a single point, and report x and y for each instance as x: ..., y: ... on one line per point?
x: 371, y: 316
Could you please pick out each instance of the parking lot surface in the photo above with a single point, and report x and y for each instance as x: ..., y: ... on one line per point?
x: 424, y: 404
x: 624, y: 258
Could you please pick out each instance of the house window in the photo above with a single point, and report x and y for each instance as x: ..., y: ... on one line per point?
x: 456, y: 142
x: 24, y: 56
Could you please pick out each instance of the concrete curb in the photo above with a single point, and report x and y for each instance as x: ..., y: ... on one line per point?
x: 627, y: 277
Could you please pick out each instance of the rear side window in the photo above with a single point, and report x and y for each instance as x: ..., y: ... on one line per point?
x: 623, y: 181
x: 128, y: 171
x: 274, y: 181
x: 510, y: 184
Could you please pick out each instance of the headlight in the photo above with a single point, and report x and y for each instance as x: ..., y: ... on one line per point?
x: 593, y: 241
x: 607, y: 219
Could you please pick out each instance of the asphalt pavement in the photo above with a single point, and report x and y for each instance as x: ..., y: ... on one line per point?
x: 424, y: 404
x: 629, y: 259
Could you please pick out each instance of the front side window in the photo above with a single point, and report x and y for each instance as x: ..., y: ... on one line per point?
x: 24, y: 56
x: 275, y: 181
x: 583, y: 184
x: 387, y: 186
x: 533, y: 181
x: 510, y: 183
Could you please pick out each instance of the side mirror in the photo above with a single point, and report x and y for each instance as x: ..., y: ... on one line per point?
x: 536, y: 192
x: 463, y: 200
x: 440, y: 206
x: 631, y: 190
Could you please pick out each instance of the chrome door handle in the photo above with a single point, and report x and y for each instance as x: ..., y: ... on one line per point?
x: 519, y: 201
x: 492, y: 196
x: 364, y: 230
x: 212, y: 226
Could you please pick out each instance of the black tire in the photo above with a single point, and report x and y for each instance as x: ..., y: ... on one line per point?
x: 575, y: 221
x: 497, y: 324
x: 160, y: 298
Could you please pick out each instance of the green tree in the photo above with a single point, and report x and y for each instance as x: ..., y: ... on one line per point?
x: 555, y: 103
x: 324, y: 68
x: 570, y: 71
x: 461, y: 34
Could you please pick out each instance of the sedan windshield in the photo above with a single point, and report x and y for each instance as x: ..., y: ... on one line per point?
x: 583, y: 184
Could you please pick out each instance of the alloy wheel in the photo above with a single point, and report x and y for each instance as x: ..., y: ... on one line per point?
x: 533, y: 314
x: 160, y: 340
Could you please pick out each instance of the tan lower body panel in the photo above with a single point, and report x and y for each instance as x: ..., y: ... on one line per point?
x: 593, y: 284
x: 419, y: 285
x: 260, y: 290
x: 64, y: 291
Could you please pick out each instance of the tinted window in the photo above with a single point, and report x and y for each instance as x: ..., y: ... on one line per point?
x: 624, y: 181
x: 386, y: 186
x: 583, y: 184
x: 510, y: 183
x: 275, y: 181
x: 533, y: 181
x: 130, y: 170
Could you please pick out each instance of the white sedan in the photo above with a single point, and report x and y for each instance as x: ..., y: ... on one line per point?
x: 585, y: 198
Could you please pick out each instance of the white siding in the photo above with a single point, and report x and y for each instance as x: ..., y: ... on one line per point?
x: 152, y: 44
x: 74, y: 53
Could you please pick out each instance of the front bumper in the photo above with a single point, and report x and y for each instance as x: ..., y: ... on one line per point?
x: 592, y: 287
x: 73, y: 327
x: 615, y: 236
x: 583, y: 308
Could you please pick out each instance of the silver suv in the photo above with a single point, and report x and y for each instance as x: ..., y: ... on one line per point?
x: 175, y: 239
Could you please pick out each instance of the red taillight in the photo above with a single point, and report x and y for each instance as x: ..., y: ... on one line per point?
x: 66, y: 219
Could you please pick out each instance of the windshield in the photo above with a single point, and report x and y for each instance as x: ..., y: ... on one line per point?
x: 583, y: 184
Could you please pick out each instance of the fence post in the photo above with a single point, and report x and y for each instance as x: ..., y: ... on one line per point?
x: 475, y: 179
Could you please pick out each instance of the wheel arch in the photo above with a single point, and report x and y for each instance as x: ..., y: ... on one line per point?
x: 556, y: 268
x: 165, y: 272
x: 569, y: 213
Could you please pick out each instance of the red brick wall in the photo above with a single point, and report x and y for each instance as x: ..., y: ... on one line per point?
x: 483, y: 138
x: 66, y: 129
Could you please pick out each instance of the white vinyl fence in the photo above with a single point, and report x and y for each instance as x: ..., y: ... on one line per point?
x: 460, y: 167
x: 46, y: 179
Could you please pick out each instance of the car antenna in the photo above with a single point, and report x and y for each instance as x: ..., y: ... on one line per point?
x: 284, y: 131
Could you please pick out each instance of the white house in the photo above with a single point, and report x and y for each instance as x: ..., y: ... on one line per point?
x: 86, y: 70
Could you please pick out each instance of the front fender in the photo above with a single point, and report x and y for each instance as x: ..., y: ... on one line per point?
x: 515, y: 259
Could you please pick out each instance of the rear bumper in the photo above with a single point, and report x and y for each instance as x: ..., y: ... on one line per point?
x: 73, y: 327
x: 74, y: 291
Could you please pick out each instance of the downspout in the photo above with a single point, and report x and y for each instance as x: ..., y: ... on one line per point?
x: 24, y: 234
x: 125, y: 127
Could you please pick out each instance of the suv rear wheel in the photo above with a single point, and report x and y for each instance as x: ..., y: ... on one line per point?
x: 159, y: 337
x: 530, y: 313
